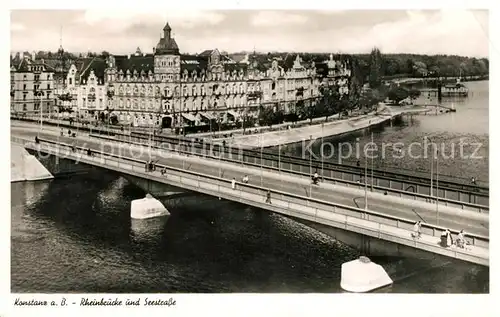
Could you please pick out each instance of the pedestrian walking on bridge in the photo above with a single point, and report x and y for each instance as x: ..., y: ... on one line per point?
x: 268, y: 197
x: 233, y: 183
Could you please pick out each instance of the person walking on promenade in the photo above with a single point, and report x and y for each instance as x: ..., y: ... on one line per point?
x: 461, y: 239
x: 417, y: 230
x: 268, y: 197
x: 245, y: 179
x: 233, y: 184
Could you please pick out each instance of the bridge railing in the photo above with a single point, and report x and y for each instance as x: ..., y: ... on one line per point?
x: 349, y: 167
x: 312, y: 207
x: 303, y: 175
x: 343, y: 171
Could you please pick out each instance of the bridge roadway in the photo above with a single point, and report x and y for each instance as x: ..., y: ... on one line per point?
x: 449, y: 187
x: 452, y: 195
x: 361, y: 229
x: 461, y: 198
x: 449, y: 217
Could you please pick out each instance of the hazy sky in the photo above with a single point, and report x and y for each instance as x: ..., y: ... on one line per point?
x: 120, y: 32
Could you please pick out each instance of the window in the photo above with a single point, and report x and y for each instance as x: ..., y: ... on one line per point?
x: 24, y: 107
x: 48, y: 86
x: 24, y: 87
x: 71, y: 81
x: 194, y: 90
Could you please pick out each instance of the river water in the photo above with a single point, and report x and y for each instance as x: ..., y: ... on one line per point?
x: 76, y: 235
x: 469, y: 125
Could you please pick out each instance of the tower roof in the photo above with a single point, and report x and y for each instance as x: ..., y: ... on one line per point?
x: 167, y: 27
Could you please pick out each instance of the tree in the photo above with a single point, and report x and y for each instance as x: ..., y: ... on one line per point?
x: 375, y: 77
x: 397, y: 94
x: 266, y: 115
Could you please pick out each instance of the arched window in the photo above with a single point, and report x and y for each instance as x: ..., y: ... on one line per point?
x: 184, y: 91
x: 241, y: 88
x: 128, y: 103
x: 121, y: 104
x: 136, y: 104
x: 194, y: 90
x: 202, y: 90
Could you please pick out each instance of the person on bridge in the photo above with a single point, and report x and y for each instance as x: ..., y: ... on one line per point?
x: 417, y: 230
x: 461, y: 239
x: 315, y: 178
x: 233, y: 183
x: 268, y: 197
x: 89, y: 152
x: 245, y: 179
x: 37, y: 140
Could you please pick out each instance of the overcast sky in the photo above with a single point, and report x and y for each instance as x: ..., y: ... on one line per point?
x: 120, y: 32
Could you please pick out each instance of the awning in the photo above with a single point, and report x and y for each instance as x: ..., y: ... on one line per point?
x: 207, y: 115
x: 232, y: 113
x: 188, y: 117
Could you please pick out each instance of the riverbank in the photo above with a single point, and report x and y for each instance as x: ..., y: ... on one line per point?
x: 326, y: 129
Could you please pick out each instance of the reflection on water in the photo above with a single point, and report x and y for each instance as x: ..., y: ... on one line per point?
x: 80, y: 238
x: 468, y: 126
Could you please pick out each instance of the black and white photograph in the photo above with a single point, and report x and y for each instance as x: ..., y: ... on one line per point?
x: 248, y: 151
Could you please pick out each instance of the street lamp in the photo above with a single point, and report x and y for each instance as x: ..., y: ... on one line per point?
x: 366, y: 183
x: 261, y: 171
x: 437, y: 187
x: 432, y: 162
x: 321, y: 153
x: 310, y: 169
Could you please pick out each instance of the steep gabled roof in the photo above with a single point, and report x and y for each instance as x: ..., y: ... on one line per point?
x: 96, y: 64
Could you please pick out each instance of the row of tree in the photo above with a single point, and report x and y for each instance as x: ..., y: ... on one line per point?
x: 374, y: 67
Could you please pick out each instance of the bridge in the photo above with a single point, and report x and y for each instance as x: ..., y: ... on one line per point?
x: 383, y: 226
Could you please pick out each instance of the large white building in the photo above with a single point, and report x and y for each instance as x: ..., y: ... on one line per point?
x: 31, y: 86
x: 168, y: 89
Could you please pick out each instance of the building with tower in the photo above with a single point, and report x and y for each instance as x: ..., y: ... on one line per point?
x: 168, y: 88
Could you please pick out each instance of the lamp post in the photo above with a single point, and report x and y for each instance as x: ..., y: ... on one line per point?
x: 366, y: 183
x: 432, y: 162
x: 279, y: 151
x: 372, y: 163
x: 321, y: 153
x: 261, y: 171
x: 437, y: 187
x: 310, y: 169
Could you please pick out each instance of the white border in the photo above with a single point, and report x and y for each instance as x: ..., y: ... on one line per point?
x: 278, y: 304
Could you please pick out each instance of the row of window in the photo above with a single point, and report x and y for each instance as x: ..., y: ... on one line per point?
x: 35, y: 87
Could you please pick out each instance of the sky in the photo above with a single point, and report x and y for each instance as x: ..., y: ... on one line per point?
x: 451, y: 31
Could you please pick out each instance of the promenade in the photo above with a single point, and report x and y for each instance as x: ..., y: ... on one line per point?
x: 313, y: 132
x: 450, y: 217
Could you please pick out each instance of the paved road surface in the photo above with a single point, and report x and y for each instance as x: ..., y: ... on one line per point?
x: 291, y: 184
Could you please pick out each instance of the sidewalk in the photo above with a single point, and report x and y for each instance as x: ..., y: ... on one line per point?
x: 305, y: 181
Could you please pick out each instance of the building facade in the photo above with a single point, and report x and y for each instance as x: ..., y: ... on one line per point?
x: 31, y: 86
x: 168, y: 88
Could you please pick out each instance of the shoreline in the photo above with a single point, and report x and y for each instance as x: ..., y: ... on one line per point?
x: 315, y: 131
